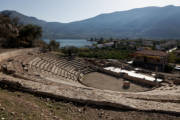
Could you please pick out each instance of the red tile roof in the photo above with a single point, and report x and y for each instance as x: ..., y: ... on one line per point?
x: 152, y: 53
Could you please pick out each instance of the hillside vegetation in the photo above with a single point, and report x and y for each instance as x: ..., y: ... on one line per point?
x: 15, y: 35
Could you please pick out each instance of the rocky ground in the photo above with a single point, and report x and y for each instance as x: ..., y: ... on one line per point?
x: 6, y: 50
x: 16, y: 105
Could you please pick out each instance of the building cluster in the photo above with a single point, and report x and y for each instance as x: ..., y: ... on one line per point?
x: 151, y: 59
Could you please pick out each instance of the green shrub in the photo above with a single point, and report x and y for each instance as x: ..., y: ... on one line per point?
x: 53, y: 45
x: 168, y: 68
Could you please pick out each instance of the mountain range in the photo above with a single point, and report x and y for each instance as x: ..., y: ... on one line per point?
x: 148, y: 22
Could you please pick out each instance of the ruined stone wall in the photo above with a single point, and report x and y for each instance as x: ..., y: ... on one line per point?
x: 127, y: 77
x: 140, y: 81
x: 102, y: 70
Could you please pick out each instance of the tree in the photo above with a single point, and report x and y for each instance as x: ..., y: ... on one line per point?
x: 41, y: 44
x: 13, y: 35
x: 101, y: 40
x: 111, y: 39
x: 53, y: 45
x: 15, y: 21
x: 91, y: 39
x: 172, y: 58
x: 70, y: 51
x: 28, y: 35
x: 8, y: 32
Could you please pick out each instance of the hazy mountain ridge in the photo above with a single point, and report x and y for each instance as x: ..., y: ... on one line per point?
x: 148, y: 22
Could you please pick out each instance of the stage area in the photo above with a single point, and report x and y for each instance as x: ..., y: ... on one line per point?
x: 103, y: 81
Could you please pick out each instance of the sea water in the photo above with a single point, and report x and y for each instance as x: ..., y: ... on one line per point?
x: 72, y: 42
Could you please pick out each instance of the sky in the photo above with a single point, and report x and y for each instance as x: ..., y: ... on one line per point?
x: 73, y: 10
